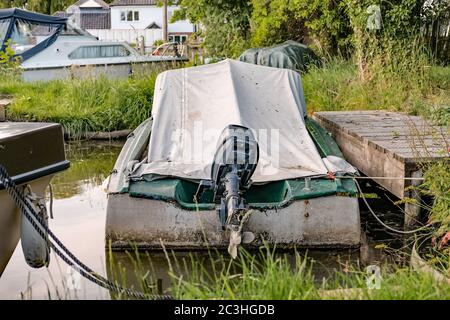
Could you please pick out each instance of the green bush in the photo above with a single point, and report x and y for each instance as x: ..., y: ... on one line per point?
x: 9, y: 65
x: 158, y: 42
x: 437, y: 185
x: 322, y: 23
x: 225, y: 24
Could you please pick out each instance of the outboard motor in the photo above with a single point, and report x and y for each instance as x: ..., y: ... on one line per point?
x: 234, y: 163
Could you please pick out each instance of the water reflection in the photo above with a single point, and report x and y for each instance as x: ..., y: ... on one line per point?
x: 90, y: 164
x: 79, y: 209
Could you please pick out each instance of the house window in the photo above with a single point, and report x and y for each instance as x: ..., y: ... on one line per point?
x: 129, y: 15
x: 178, y: 38
x: 92, y: 52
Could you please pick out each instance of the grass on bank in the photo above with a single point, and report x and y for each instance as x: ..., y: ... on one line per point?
x: 83, y: 105
x: 337, y: 87
x: 266, y: 274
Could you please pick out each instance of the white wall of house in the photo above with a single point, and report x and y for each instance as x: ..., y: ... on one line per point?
x: 147, y: 15
x: 126, y: 35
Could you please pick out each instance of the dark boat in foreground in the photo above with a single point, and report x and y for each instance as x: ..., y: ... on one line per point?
x: 32, y: 153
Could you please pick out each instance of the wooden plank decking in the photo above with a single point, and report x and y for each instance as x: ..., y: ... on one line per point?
x: 387, y: 144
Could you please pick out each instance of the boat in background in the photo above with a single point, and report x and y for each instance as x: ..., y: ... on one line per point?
x: 53, y: 48
x: 288, y: 55
x: 261, y: 172
x: 32, y: 153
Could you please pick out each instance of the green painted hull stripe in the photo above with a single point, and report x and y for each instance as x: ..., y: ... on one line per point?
x: 272, y: 195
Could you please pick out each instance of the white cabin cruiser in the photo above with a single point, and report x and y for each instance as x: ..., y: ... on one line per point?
x: 51, y: 48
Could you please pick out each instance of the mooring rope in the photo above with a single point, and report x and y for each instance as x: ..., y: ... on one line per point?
x: 352, y: 177
x: 381, y: 222
x: 383, y: 178
x: 76, y: 264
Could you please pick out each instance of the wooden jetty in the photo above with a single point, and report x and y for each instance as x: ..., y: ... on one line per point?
x: 388, y: 144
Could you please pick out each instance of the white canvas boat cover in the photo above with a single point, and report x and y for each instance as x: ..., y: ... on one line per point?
x: 193, y: 105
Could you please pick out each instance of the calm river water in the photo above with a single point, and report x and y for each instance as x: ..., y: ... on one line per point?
x: 79, y: 221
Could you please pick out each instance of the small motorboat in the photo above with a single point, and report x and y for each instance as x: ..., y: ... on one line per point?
x: 32, y: 153
x: 230, y: 157
x: 53, y: 48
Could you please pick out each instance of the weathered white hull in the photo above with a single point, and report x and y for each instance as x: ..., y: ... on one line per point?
x: 110, y: 71
x: 90, y: 71
x: 10, y: 220
x: 320, y: 222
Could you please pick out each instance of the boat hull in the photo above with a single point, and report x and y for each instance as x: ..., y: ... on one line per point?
x: 64, y: 73
x: 94, y: 70
x: 10, y: 219
x: 324, y: 222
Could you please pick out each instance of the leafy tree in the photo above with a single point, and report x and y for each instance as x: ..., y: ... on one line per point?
x: 400, y: 18
x: 322, y: 22
x: 225, y: 24
x: 436, y: 18
x: 42, y: 6
x: 12, y: 3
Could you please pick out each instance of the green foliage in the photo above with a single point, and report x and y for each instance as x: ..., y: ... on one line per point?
x: 400, y: 18
x: 225, y: 24
x: 160, y: 3
x: 263, y: 275
x: 399, y: 37
x: 334, y: 26
x: 158, y: 42
x: 320, y: 22
x: 9, y: 65
x: 437, y: 185
x: 42, y: 6
x: 440, y: 115
x: 12, y: 3
x: 46, y: 6
x: 83, y: 105
x: 403, y: 87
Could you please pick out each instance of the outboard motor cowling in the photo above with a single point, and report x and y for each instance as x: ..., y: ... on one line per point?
x: 234, y: 163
